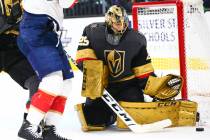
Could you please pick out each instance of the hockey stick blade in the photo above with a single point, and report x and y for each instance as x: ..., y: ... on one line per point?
x: 127, y: 119
x: 152, y: 127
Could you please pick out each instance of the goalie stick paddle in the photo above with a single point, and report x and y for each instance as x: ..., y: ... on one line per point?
x: 126, y: 118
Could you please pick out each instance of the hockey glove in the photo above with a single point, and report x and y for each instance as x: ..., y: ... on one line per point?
x: 163, y: 88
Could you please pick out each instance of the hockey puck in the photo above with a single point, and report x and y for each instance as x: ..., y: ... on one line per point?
x: 199, y: 129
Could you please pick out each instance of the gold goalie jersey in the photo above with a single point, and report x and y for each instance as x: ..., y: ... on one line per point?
x: 125, y: 61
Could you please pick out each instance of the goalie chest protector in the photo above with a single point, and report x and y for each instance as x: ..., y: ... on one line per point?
x: 119, y: 58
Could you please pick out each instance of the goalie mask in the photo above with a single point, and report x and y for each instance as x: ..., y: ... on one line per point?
x: 116, y: 19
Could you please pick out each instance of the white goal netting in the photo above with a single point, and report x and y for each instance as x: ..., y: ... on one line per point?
x: 178, y: 42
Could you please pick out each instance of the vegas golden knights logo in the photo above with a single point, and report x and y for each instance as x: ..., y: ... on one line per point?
x: 115, y: 60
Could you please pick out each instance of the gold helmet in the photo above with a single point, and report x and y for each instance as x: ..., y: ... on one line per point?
x: 117, y: 15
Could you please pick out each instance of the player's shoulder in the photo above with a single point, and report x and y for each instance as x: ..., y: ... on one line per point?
x: 95, y: 26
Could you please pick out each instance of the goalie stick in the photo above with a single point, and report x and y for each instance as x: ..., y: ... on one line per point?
x: 126, y: 118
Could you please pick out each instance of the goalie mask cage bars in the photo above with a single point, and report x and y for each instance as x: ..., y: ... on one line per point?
x: 177, y: 41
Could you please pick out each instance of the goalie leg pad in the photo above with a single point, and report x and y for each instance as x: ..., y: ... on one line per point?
x: 181, y: 113
x: 85, y: 126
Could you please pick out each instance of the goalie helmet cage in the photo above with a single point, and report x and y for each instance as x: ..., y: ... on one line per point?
x: 177, y: 41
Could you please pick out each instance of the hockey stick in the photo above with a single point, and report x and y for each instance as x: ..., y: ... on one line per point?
x: 126, y: 118
x: 129, y: 121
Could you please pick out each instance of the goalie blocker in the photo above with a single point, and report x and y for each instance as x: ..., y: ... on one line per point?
x: 94, y: 78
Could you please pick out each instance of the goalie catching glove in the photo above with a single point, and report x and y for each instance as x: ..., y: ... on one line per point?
x: 163, y: 88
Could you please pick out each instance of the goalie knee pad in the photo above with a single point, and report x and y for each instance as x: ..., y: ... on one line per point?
x: 181, y: 113
x: 85, y: 126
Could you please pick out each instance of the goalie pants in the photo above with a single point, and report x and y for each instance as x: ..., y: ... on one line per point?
x: 97, y: 112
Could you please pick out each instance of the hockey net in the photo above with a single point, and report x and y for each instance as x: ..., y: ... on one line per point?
x: 178, y: 42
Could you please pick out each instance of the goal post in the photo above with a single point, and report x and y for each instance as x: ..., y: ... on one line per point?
x: 165, y: 7
x: 178, y: 39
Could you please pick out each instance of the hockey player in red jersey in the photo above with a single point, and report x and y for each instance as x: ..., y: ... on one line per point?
x: 113, y: 56
x: 40, y: 43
